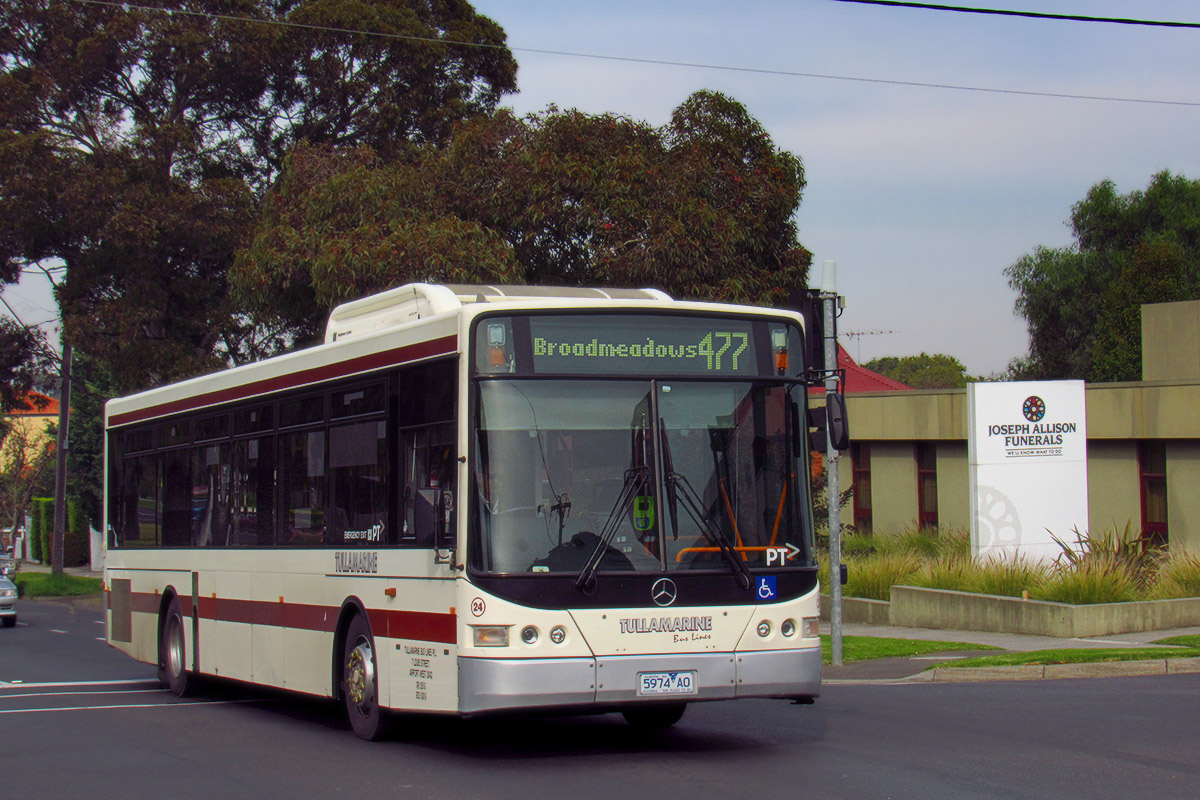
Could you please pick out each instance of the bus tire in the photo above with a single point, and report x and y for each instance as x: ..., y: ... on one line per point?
x: 655, y: 717
x: 172, y: 655
x: 360, y: 681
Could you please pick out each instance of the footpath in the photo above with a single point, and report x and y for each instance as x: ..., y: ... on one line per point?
x: 915, y: 669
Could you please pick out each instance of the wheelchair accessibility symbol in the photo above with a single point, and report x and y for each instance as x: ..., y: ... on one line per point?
x: 766, y: 588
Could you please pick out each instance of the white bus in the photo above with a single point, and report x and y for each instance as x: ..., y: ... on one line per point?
x: 475, y: 499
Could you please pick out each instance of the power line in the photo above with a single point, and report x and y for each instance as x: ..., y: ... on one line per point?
x: 1030, y: 14
x: 650, y: 61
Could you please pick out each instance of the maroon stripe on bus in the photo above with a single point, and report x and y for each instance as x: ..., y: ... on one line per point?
x: 421, y: 626
x: 386, y: 358
x: 144, y: 603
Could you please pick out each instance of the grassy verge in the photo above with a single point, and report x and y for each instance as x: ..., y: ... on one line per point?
x: 45, y: 584
x: 1093, y: 656
x: 861, y: 648
x: 1180, y: 641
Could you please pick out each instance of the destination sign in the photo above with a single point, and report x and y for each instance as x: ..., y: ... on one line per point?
x: 637, y: 344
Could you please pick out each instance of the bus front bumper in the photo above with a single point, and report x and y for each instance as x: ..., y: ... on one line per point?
x: 496, y: 684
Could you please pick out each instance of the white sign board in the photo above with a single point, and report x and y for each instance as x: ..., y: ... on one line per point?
x: 1027, y: 450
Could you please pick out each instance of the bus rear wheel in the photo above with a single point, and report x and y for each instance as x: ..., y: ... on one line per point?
x: 172, y: 655
x: 653, y: 718
x: 360, y: 681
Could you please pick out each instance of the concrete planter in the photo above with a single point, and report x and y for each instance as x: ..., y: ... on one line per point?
x: 915, y: 607
x: 859, y: 610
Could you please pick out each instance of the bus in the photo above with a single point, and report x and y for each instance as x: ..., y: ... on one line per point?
x: 479, y: 499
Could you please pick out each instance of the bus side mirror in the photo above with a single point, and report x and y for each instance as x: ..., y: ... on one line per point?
x: 835, y: 419
x: 433, y: 518
x: 445, y: 539
x: 425, y: 516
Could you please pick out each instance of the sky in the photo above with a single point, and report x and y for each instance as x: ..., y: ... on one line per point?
x: 923, y: 196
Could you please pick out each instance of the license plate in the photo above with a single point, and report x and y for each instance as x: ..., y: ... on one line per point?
x: 662, y: 683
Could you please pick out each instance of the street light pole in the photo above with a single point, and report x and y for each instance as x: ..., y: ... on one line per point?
x: 829, y: 298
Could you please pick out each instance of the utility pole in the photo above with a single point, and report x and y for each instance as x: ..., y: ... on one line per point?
x: 60, y: 464
x: 829, y: 300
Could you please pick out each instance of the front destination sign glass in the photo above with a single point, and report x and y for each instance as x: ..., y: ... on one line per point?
x: 664, y: 345
x: 631, y: 344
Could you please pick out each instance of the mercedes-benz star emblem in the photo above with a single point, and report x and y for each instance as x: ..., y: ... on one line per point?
x: 664, y: 592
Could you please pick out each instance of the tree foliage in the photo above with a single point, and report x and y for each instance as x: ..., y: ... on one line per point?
x: 701, y: 207
x: 1083, y: 303
x: 22, y: 359
x: 135, y: 144
x: 937, y: 371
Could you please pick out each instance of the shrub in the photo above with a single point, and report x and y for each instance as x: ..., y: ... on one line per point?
x: 1007, y: 578
x: 925, y: 543
x: 1178, y: 576
x: 951, y: 573
x: 1095, y: 580
x: 1124, y: 546
x: 873, y: 577
x: 41, y: 524
x: 77, y: 537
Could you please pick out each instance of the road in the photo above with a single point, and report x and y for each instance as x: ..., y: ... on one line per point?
x: 87, y: 722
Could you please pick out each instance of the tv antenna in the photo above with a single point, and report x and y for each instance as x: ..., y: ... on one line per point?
x: 859, y: 335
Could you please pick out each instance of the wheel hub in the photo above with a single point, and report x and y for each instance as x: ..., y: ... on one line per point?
x: 360, y: 676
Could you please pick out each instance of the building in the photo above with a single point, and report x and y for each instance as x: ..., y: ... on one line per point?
x: 31, y: 421
x: 908, y: 459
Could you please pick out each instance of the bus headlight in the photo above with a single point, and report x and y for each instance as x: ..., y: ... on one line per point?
x: 788, y: 627
x: 529, y: 634
x: 490, y: 635
x: 558, y: 634
x: 764, y: 629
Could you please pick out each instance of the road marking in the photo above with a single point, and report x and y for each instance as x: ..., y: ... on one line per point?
x: 56, y: 630
x: 72, y: 694
x: 129, y: 705
x: 52, y: 684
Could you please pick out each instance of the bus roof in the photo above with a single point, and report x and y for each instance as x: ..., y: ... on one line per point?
x: 414, y: 301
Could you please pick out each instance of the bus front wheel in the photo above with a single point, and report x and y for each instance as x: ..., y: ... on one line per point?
x: 172, y: 655
x: 360, y: 681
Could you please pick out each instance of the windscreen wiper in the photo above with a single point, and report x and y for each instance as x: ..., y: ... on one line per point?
x: 635, y: 481
x: 678, y: 485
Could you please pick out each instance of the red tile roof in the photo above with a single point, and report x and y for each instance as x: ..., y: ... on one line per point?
x: 859, y: 379
x: 37, y: 405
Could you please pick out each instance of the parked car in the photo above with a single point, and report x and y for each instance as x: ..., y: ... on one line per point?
x: 8, y: 602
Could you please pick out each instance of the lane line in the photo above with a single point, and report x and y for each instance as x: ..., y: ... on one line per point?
x: 76, y: 694
x: 128, y: 705
x: 52, y: 684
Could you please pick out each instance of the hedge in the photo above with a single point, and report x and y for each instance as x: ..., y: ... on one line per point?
x: 76, y: 538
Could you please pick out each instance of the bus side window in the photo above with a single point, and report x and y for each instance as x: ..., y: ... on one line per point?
x: 358, y: 463
x: 138, y: 511
x: 425, y: 412
x: 211, y: 498
x: 429, y: 491
x: 176, y: 498
x: 253, y: 493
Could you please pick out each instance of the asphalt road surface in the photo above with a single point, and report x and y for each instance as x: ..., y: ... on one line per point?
x: 85, y: 721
